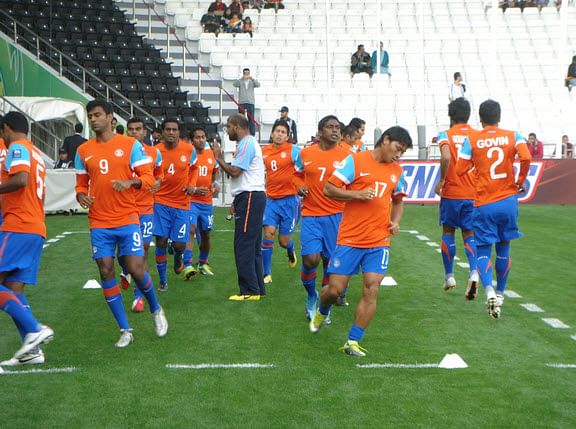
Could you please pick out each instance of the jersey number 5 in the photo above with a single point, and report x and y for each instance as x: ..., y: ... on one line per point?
x: 39, y: 181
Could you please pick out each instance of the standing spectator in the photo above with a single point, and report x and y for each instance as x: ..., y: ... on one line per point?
x: 218, y: 7
x: 457, y: 89
x: 360, y: 62
x: 236, y: 7
x: 210, y: 22
x: 156, y: 134
x: 567, y: 147
x: 384, y: 61
x: 535, y: 146
x: 63, y: 160
x: 571, y: 75
x: 248, y: 27
x: 293, y: 133
x: 247, y: 186
x: 246, y: 99
x: 71, y: 143
x: 274, y: 4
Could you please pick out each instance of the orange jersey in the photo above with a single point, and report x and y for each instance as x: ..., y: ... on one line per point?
x: 365, y: 224
x: 179, y: 168
x: 314, y: 166
x: 23, y: 210
x: 456, y: 187
x: 207, y: 167
x: 491, y: 152
x: 98, y: 164
x: 145, y: 198
x: 280, y: 169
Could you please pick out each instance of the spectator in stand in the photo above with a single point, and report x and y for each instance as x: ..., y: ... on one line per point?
x: 210, y: 22
x: 63, y: 159
x: 274, y: 4
x: 457, y: 89
x: 247, y: 26
x: 293, y: 134
x: 156, y: 135
x: 236, y: 8
x: 246, y: 99
x: 360, y: 62
x: 235, y: 24
x: 384, y: 61
x: 218, y: 7
x: 571, y: 75
x: 71, y: 143
x: 567, y: 147
x: 535, y: 146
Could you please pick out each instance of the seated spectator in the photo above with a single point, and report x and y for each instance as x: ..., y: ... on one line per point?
x: 571, y: 75
x: 63, y: 160
x: 210, y: 22
x: 235, y: 24
x: 236, y: 7
x: 360, y: 62
x: 535, y: 146
x: 384, y: 61
x: 567, y: 147
x: 218, y: 7
x: 247, y: 26
x: 274, y: 4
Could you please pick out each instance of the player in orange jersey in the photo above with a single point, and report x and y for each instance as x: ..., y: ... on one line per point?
x: 22, y: 236
x: 491, y: 152
x: 457, y: 198
x: 282, y: 203
x: 351, y: 138
x: 201, y: 206
x: 320, y: 215
x: 106, y: 165
x: 372, y: 186
x: 172, y: 200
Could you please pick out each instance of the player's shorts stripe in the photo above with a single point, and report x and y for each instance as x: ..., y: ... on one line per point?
x: 3, y: 245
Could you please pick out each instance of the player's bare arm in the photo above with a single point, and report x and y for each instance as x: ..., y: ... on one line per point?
x: 84, y: 200
x: 123, y: 185
x: 445, y: 158
x: 396, y: 215
x: 15, y: 182
x: 342, y: 194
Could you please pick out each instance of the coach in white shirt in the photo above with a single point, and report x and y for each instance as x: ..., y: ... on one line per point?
x: 248, y: 189
x: 457, y: 89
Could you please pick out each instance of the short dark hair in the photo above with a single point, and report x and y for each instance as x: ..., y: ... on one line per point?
x: 357, y: 123
x: 135, y: 120
x: 170, y: 120
x: 360, y: 46
x: 239, y: 120
x: 532, y: 134
x: 490, y: 112
x: 157, y: 130
x: 397, y: 134
x: 194, y: 129
x: 107, y: 107
x: 78, y: 127
x: 349, y: 130
x: 281, y: 123
x: 120, y: 129
x: 322, y: 123
x: 245, y: 70
x: 459, y: 110
x: 16, y: 121
x: 457, y: 75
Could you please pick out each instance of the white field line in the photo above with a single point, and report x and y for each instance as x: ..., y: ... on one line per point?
x: 221, y: 366
x: 463, y: 264
x: 438, y: 250
x: 555, y: 323
x: 422, y: 238
x: 397, y: 365
x: 39, y: 371
x: 511, y: 294
x: 561, y: 365
x: 432, y: 244
x: 573, y: 337
x: 532, y: 308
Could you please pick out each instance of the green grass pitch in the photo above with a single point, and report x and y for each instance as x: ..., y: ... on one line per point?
x: 507, y: 384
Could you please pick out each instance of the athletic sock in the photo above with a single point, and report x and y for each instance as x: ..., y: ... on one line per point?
x: 26, y: 306
x: 308, y: 277
x: 470, y: 249
x: 267, y: 248
x: 485, y: 264
x: 356, y: 333
x: 113, y: 297
x: 290, y: 249
x: 22, y: 316
x: 502, y: 265
x: 146, y: 286
x: 203, y: 257
x: 161, y: 263
x: 324, y: 310
x: 188, y: 256
x: 448, y: 247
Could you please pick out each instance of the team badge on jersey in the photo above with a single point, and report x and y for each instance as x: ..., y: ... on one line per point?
x: 393, y: 178
x: 283, y: 155
x: 338, y: 164
x: 118, y: 152
x: 209, y: 160
x: 17, y: 153
x: 336, y: 263
x: 183, y: 158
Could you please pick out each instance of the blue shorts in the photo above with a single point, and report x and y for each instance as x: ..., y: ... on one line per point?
x: 318, y: 234
x: 146, y: 223
x: 347, y: 260
x: 283, y: 213
x: 202, y: 216
x: 20, y: 256
x: 127, y: 238
x: 457, y: 213
x: 496, y: 222
x: 172, y: 223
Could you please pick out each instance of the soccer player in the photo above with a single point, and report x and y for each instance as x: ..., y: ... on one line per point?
x: 106, y: 165
x: 172, y: 200
x: 201, y: 207
x: 145, y: 203
x: 22, y: 236
x: 457, y: 198
x: 320, y: 215
x: 282, y: 202
x: 372, y: 185
x: 491, y: 152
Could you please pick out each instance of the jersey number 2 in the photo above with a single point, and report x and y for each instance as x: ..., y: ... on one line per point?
x: 499, y: 159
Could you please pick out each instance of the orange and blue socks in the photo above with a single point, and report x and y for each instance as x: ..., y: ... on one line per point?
x: 356, y: 333
x: 267, y: 249
x: 161, y: 263
x: 470, y: 249
x: 203, y: 257
x: 485, y: 264
x: 502, y: 266
x: 448, y: 247
x: 113, y: 297
x: 188, y: 256
x: 147, y: 288
x: 308, y: 277
x: 22, y: 316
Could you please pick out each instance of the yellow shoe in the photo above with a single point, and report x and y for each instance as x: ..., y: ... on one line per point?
x: 244, y: 298
x: 292, y: 261
x: 205, y: 269
x: 189, y: 272
x: 317, y: 322
x: 267, y: 279
x: 352, y: 348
